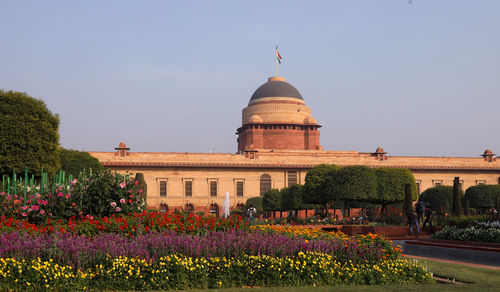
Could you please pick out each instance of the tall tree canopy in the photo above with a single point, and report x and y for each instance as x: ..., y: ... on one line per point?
x: 391, y: 185
x: 29, y: 134
x: 271, y: 201
x: 353, y: 183
x: 314, y: 183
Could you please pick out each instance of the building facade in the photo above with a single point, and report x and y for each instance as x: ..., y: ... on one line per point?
x: 278, y: 142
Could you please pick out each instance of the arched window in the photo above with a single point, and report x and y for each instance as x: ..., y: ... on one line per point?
x: 163, y: 207
x: 189, y: 207
x: 214, y: 210
x: 265, y: 184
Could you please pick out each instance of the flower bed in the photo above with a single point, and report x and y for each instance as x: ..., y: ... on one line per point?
x: 134, y: 224
x: 183, y: 272
x: 471, y: 233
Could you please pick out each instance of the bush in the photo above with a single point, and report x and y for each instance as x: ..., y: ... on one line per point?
x: 391, y: 184
x: 465, y: 221
x: 74, y: 162
x: 107, y: 193
x: 314, y: 183
x: 271, y: 201
x: 482, y: 196
x: 471, y: 233
x: 439, y: 198
x: 29, y: 134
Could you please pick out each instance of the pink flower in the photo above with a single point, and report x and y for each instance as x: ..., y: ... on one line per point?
x: 42, y: 212
x: 136, y: 183
x: 122, y: 200
x: 122, y: 185
x: 35, y: 207
x: 25, y: 208
x: 118, y: 209
x: 24, y: 214
x: 113, y: 204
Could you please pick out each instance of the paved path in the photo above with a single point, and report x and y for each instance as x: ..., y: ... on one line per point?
x: 454, y: 262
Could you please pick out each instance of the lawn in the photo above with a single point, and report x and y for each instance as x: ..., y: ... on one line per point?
x: 478, y: 279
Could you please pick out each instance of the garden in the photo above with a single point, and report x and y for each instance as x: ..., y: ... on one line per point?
x: 93, y: 233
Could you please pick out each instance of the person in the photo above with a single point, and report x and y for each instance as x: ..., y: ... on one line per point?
x: 420, y: 210
x: 493, y: 211
x: 251, y: 212
x: 411, y: 218
x: 428, y: 219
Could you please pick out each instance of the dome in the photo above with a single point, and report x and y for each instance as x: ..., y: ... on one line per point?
x: 276, y: 87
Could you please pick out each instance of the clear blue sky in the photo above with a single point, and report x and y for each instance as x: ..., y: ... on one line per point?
x: 420, y: 78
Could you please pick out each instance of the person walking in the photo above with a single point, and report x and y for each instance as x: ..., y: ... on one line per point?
x: 411, y: 218
x: 428, y: 219
x: 420, y: 208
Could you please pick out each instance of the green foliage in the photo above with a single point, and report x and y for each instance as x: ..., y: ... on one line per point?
x: 291, y: 197
x: 256, y: 202
x: 457, y: 202
x: 74, y: 161
x: 391, y: 184
x: 439, y: 198
x: 141, y: 183
x: 29, y: 134
x: 314, y: 183
x: 271, y: 201
x: 465, y: 221
x: 408, y: 202
x: 355, y: 183
x: 107, y: 193
x: 482, y: 196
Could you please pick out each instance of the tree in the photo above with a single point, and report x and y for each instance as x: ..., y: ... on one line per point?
x: 391, y: 185
x: 314, y: 183
x: 271, y: 201
x: 29, y: 134
x: 353, y: 183
x: 457, y: 203
x: 292, y: 198
x: 74, y: 161
x: 439, y: 198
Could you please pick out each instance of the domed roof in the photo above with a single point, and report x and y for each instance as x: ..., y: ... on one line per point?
x: 276, y: 87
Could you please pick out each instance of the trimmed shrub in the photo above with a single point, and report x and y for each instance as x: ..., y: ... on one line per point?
x: 354, y: 183
x: 439, y: 198
x: 314, y: 183
x: 292, y: 198
x: 457, y: 202
x: 482, y: 196
x: 391, y: 184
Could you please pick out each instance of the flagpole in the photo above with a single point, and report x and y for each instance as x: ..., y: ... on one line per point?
x: 276, y: 59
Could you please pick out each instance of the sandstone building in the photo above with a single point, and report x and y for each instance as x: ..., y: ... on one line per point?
x: 278, y: 142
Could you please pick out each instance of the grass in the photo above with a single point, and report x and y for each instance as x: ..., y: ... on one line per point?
x: 478, y: 279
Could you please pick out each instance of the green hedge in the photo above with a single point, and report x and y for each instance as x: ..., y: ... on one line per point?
x: 482, y: 196
x: 74, y: 161
x: 439, y: 198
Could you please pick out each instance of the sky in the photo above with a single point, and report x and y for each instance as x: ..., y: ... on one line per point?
x: 419, y: 77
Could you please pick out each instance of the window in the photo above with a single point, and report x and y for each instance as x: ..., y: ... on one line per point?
x: 480, y: 182
x: 292, y: 178
x: 163, y: 188
x: 188, y: 188
x: 239, y: 188
x: 461, y: 185
x: 437, y: 183
x: 499, y: 180
x: 265, y: 184
x: 213, y: 188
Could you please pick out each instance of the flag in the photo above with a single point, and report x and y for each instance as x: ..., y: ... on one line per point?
x: 278, y: 56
